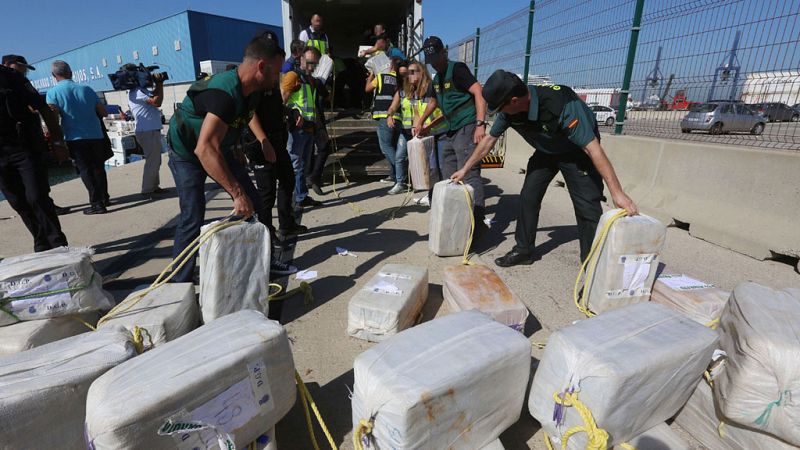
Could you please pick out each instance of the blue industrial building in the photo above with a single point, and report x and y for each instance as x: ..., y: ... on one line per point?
x: 176, y: 44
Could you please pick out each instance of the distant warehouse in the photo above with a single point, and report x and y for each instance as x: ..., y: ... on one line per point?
x: 183, y: 45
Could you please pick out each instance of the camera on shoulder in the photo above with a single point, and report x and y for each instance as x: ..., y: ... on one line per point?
x: 131, y: 76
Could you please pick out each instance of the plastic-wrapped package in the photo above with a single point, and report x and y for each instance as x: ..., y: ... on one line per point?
x: 26, y: 335
x: 660, y: 437
x: 419, y: 151
x: 378, y: 64
x: 223, y: 384
x: 626, y: 263
x: 390, y: 302
x: 701, y: 302
x: 234, y: 270
x: 454, y: 382
x: 451, y: 218
x: 43, y: 390
x: 760, y: 383
x: 324, y: 68
x: 633, y: 368
x: 166, y: 312
x: 54, y: 283
x: 478, y: 287
x: 700, y: 418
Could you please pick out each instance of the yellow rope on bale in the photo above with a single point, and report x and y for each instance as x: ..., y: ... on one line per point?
x: 591, y: 260
x: 596, y: 437
x: 465, y: 260
x: 362, y: 433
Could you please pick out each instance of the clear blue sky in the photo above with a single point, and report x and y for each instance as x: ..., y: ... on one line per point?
x: 40, y: 29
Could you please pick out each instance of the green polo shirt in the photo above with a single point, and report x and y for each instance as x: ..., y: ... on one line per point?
x: 558, y: 121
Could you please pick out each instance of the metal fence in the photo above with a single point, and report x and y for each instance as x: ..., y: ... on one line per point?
x: 691, y: 52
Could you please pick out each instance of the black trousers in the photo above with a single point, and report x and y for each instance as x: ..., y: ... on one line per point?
x: 25, y: 186
x: 89, y: 158
x: 585, y: 186
x: 318, y: 159
x: 276, y: 181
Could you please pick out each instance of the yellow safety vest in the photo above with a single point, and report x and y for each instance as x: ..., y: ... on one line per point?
x: 304, y: 100
x: 319, y: 44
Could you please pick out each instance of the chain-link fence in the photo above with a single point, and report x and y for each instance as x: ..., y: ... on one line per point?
x: 726, y: 71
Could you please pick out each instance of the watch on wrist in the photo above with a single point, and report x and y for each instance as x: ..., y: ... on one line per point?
x: 480, y: 123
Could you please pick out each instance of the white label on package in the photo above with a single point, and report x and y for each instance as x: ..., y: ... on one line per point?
x: 39, y: 305
x: 383, y: 287
x: 683, y: 283
x: 623, y: 293
x: 193, y: 434
x: 394, y: 276
x: 637, y: 268
x: 260, y: 385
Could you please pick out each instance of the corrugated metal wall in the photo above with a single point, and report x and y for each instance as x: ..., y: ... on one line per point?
x: 223, y: 38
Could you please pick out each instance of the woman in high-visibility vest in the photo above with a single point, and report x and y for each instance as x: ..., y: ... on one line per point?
x: 411, y: 101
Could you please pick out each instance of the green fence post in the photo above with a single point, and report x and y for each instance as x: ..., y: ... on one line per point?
x: 528, y: 45
x: 626, y: 82
x: 477, y: 48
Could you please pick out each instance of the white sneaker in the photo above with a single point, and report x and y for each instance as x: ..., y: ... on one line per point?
x: 397, y: 189
x: 387, y: 180
x: 424, y: 201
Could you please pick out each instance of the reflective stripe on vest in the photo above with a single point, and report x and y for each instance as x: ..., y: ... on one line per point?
x: 319, y: 44
x: 384, y: 94
x: 304, y: 101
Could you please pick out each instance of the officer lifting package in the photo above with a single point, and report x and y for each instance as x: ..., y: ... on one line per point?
x: 563, y: 130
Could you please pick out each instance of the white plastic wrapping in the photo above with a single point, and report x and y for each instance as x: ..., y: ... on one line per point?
x: 54, y: 283
x: 478, y: 287
x: 700, y: 301
x: 378, y: 64
x: 759, y: 387
x: 26, y: 335
x: 166, y: 313
x: 419, y: 151
x: 234, y: 270
x: 390, y: 302
x: 451, y: 218
x: 702, y: 420
x: 627, y: 261
x: 633, y: 367
x: 456, y: 382
x: 233, y: 378
x: 43, y: 390
x: 324, y: 68
x: 660, y: 437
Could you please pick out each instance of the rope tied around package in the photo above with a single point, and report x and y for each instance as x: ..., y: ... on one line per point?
x: 596, y: 437
x: 7, y: 300
x: 764, y: 417
x: 465, y: 260
x: 362, y: 433
x: 582, y: 301
x: 304, y: 288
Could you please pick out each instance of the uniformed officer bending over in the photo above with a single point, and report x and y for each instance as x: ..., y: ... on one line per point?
x: 23, y: 180
x: 564, y: 132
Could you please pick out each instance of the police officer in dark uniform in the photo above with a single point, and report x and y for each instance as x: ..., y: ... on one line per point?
x: 563, y: 130
x: 22, y: 180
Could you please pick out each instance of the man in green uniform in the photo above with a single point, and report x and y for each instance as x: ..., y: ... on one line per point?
x: 563, y: 130
x: 202, y: 133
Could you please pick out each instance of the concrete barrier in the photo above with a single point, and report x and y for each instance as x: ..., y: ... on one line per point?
x: 741, y: 198
x: 745, y: 199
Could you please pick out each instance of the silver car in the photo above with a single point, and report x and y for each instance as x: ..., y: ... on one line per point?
x: 723, y: 117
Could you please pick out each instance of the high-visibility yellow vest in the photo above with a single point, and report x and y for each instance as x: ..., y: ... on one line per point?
x: 304, y: 100
x: 384, y: 94
x: 317, y: 40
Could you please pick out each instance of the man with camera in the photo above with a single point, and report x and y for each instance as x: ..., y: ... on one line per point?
x: 144, y: 105
x: 202, y: 134
x: 23, y: 180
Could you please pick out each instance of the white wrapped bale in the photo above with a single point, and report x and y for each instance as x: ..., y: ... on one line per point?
x: 226, y: 381
x: 167, y: 312
x: 324, y: 68
x: 451, y: 218
x: 390, y: 302
x: 43, y: 390
x: 760, y: 384
x: 660, y: 437
x: 632, y: 367
x: 54, y: 283
x: 626, y: 263
x: 419, y: 152
x: 234, y: 270
x: 455, y: 382
x: 26, y: 335
x: 701, y: 302
x: 478, y: 287
x: 701, y: 419
x: 379, y: 63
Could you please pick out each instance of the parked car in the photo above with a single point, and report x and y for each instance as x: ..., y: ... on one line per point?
x: 604, y: 115
x: 778, y: 112
x: 723, y: 117
x: 796, y: 107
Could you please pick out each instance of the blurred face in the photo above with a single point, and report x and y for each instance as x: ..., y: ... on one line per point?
x: 414, y: 73
x: 402, y: 71
x: 19, y: 68
x: 309, y: 62
x: 378, y: 30
x: 437, y: 59
x: 316, y: 22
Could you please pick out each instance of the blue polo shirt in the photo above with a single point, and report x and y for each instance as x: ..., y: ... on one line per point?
x: 77, y: 104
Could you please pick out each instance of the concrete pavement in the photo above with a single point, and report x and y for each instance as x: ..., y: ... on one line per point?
x: 133, y: 244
